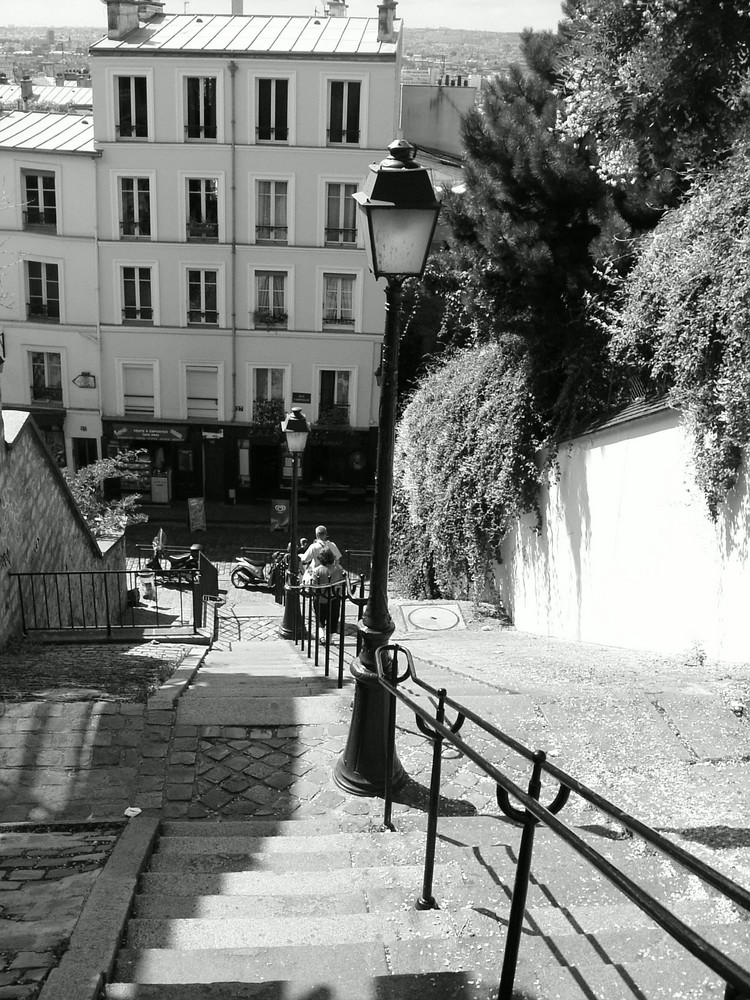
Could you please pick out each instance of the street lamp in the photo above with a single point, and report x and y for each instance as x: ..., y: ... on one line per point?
x: 296, y: 430
x: 398, y: 210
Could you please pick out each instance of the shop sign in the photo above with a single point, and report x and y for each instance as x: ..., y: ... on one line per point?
x: 213, y: 435
x: 148, y: 432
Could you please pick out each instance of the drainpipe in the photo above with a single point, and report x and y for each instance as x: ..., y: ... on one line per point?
x: 233, y: 234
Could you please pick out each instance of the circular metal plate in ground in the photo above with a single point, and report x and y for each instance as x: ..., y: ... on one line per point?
x: 434, y: 619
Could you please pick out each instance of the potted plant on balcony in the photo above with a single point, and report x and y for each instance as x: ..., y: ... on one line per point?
x: 264, y: 317
x: 268, y: 413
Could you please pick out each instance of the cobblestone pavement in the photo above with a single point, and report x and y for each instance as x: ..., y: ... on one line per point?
x: 45, y: 876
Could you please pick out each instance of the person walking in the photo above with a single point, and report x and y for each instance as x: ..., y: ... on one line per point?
x: 325, y: 576
x: 311, y: 556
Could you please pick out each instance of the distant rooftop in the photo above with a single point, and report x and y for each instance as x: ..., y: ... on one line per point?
x: 46, y: 131
x: 60, y: 97
x: 257, y: 34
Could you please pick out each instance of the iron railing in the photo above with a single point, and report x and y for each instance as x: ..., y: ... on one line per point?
x: 110, y: 600
x: 433, y: 724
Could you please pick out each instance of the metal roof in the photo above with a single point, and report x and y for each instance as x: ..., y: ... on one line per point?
x: 62, y: 97
x: 255, y: 34
x: 40, y: 131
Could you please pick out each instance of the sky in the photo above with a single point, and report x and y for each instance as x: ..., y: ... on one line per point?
x: 482, y: 15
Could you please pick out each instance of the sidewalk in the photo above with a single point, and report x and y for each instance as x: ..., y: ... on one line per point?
x: 668, y: 740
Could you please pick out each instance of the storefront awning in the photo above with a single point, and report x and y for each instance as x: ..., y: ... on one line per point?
x: 148, y: 432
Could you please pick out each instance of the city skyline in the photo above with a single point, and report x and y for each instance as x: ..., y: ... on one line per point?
x: 477, y: 15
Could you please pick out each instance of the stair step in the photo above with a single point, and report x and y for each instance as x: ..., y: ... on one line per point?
x: 203, y: 710
x: 317, y: 966
x: 272, y: 933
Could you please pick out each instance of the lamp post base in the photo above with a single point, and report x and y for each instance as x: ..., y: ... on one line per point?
x: 292, y: 626
x: 361, y: 769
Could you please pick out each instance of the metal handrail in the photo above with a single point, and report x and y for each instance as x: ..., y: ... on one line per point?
x: 433, y: 725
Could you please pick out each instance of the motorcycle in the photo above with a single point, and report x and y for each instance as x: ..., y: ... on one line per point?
x: 247, y: 575
x: 175, y: 568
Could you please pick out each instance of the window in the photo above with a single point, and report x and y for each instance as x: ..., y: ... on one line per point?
x: 46, y: 377
x: 343, y: 111
x: 202, y: 391
x: 43, y: 284
x: 269, y: 395
x: 135, y: 207
x: 203, y: 297
x: 334, y: 398
x: 273, y: 102
x: 137, y: 306
x: 338, y: 300
x: 131, y: 110
x: 270, y: 299
x: 40, y: 204
x: 200, y: 107
x: 271, y: 221
x: 203, y: 208
x: 138, y: 397
x: 341, y: 219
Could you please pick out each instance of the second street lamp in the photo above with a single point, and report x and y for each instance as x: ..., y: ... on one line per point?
x: 296, y: 430
x: 399, y: 210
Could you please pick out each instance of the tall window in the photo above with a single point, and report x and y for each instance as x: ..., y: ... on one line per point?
x: 271, y: 214
x: 343, y: 111
x: 135, y: 207
x: 341, y: 219
x: 334, y: 401
x: 203, y: 208
x: 46, y: 377
x: 203, y: 297
x: 270, y: 298
x: 268, y: 395
x: 202, y: 391
x: 43, y: 283
x: 138, y: 389
x: 273, y: 115
x: 338, y: 300
x: 40, y: 204
x: 131, y: 109
x: 137, y: 306
x: 200, y: 107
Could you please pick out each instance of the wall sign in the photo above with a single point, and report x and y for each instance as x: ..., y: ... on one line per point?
x: 301, y: 397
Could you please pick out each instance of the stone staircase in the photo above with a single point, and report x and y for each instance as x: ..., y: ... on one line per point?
x: 313, y: 909
x: 322, y: 907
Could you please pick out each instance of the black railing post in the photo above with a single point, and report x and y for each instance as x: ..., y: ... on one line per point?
x: 342, y: 633
x: 106, y: 607
x: 390, y: 748
x: 23, y: 606
x: 427, y: 901
x: 521, y: 885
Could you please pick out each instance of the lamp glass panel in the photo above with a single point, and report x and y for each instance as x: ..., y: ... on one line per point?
x: 296, y: 441
x: 400, y: 238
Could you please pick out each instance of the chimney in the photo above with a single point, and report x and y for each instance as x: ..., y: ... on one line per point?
x: 122, y: 18
x: 238, y: 6
x: 386, y: 14
x: 27, y: 89
x: 336, y: 8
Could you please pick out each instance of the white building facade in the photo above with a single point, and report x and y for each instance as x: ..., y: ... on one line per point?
x: 212, y: 259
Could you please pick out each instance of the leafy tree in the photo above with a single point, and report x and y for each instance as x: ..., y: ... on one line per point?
x: 106, y: 518
x: 660, y: 86
x: 515, y: 284
x: 684, y: 320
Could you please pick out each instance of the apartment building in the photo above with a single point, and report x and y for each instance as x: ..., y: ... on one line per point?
x: 207, y: 267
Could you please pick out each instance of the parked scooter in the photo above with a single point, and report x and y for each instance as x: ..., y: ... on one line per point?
x: 172, y: 567
x: 247, y: 575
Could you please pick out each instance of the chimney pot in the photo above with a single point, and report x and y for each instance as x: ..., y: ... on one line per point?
x: 386, y: 17
x: 238, y: 6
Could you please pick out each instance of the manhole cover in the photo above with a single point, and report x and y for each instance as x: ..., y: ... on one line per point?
x: 432, y: 618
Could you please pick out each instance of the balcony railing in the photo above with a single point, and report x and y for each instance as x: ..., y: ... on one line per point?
x: 43, y: 310
x: 144, y: 315
x: 208, y: 231
x: 208, y: 318
x: 38, y: 218
x: 273, y: 234
x: 345, y: 237
x: 334, y: 415
x: 52, y: 395
x: 135, y: 230
x: 338, y: 319
x: 269, y: 133
x: 263, y: 317
x: 350, y: 135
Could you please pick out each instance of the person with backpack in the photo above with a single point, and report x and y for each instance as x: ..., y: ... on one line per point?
x: 326, y: 574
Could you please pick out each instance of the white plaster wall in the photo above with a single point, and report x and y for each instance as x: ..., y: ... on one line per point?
x: 628, y: 555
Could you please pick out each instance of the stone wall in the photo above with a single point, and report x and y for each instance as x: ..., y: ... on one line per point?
x: 42, y: 531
